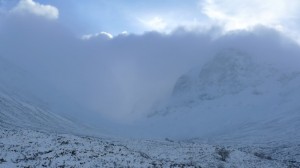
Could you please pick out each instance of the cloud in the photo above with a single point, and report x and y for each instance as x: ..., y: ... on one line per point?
x: 168, y: 24
x: 123, y: 77
x: 124, y: 33
x: 104, y: 35
x: 244, y: 15
x: 229, y: 14
x: 154, y: 24
x: 35, y: 8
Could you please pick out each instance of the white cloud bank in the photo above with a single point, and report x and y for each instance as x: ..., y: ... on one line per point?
x: 168, y: 24
x: 281, y: 15
x: 123, y: 77
x: 230, y: 15
x: 31, y: 7
x: 156, y: 23
x: 104, y: 35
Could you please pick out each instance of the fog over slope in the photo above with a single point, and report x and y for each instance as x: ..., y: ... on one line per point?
x: 234, y: 94
x: 124, y: 79
x: 22, y: 107
x: 27, y: 101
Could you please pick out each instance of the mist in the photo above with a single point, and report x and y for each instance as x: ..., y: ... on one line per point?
x: 99, y: 80
x: 107, y: 76
x: 199, y: 83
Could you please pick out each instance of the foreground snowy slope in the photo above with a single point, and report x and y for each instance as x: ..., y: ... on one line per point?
x: 27, y: 148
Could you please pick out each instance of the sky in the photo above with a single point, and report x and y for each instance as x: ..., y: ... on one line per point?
x: 117, y: 16
x: 117, y: 58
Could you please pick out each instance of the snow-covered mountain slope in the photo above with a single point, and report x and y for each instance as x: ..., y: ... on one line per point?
x: 20, y: 106
x: 27, y: 148
x: 17, y: 113
x: 234, y: 94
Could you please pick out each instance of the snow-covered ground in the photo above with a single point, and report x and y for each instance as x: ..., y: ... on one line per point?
x: 27, y: 148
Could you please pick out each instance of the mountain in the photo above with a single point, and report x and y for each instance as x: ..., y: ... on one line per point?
x: 17, y: 113
x: 21, y: 105
x: 32, y: 135
x: 235, y: 94
x: 230, y: 72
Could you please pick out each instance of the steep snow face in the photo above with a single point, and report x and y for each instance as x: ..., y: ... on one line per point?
x: 230, y: 72
x: 233, y: 92
x: 17, y: 113
x: 20, y: 106
x: 236, y: 74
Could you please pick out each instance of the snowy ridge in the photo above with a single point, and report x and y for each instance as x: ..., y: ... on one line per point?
x: 234, y: 95
x: 229, y: 72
